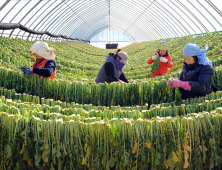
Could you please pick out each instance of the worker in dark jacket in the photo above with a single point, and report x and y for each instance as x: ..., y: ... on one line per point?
x: 111, y: 70
x: 195, y: 78
x: 44, y: 65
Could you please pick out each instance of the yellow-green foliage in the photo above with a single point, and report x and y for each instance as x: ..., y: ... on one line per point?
x: 73, y: 123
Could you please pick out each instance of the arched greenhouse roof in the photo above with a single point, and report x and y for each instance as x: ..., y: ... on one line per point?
x: 140, y: 20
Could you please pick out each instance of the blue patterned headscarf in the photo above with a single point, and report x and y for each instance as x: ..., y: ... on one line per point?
x: 194, y: 50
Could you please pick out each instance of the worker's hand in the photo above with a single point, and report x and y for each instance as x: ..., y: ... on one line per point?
x: 126, y: 83
x: 170, y: 83
x: 120, y: 81
x: 154, y: 57
x: 28, y: 71
x: 164, y: 60
x: 182, y: 84
x: 23, y: 68
x: 111, y: 54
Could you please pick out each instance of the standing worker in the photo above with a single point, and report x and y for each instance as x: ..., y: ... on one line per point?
x: 111, y: 70
x: 44, y: 65
x: 165, y: 59
x: 195, y: 78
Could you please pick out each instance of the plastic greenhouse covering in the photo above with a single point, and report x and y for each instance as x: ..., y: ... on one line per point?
x: 139, y: 20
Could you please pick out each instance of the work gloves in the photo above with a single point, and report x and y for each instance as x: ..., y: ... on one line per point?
x: 154, y: 57
x: 23, y: 68
x: 177, y: 83
x: 27, y: 72
x: 120, y: 81
x: 164, y: 60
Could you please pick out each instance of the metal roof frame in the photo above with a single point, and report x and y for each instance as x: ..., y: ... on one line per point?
x: 139, y: 20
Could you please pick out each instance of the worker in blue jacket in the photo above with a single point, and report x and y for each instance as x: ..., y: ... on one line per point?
x: 195, y: 78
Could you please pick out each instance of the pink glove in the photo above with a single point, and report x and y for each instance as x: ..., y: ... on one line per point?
x: 120, y: 81
x: 183, y: 84
x: 220, y: 50
x: 170, y: 82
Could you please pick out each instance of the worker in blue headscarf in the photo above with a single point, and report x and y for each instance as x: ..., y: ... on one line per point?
x: 195, y: 78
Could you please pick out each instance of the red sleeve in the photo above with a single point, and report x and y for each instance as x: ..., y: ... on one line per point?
x: 170, y: 63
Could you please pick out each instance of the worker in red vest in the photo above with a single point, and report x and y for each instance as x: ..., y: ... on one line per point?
x: 44, y: 65
x: 165, y: 59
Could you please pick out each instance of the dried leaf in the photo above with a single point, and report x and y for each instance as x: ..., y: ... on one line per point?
x: 165, y: 164
x: 135, y: 147
x: 39, y: 157
x: 44, y: 156
x: 201, y: 148
x: 83, y: 161
x: 23, y: 149
x: 85, y: 147
x: 31, y: 164
x: 186, y: 157
x: 182, y: 108
x: 188, y: 148
x: 27, y: 158
x: 148, y: 144
x: 175, y: 158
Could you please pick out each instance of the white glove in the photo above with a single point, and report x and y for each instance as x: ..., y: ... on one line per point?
x: 154, y: 57
x: 164, y: 60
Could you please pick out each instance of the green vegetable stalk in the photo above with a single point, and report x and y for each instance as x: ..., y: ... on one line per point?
x: 155, y: 64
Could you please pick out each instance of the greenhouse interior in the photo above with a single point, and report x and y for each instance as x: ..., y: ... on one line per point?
x: 110, y: 85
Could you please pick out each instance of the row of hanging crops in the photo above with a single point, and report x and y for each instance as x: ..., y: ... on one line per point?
x: 73, y: 123
x: 44, y: 138
x: 68, y: 110
x: 192, y: 141
x: 151, y: 92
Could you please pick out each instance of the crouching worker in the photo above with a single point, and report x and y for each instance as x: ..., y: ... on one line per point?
x: 195, y: 78
x: 111, y: 70
x: 44, y: 65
